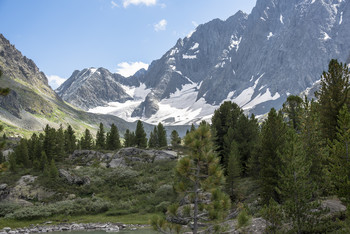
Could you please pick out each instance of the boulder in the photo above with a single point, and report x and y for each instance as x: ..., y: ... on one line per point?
x: 334, y: 206
x: 25, y: 190
x: 73, y: 179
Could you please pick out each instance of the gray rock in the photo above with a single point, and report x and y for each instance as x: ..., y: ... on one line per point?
x: 334, y: 206
x: 6, y: 229
x: 3, y: 186
x: 73, y: 179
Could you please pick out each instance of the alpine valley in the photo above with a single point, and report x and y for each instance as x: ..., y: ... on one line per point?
x: 255, y: 60
x: 32, y: 104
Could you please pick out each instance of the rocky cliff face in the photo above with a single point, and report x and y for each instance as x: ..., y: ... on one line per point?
x: 93, y: 87
x: 255, y: 60
x: 24, y: 70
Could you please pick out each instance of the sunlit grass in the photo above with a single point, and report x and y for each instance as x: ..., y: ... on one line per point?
x: 101, y: 218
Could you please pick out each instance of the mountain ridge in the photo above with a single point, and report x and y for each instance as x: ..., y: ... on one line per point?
x: 255, y: 60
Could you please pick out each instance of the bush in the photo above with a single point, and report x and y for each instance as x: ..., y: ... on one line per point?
x: 72, y: 207
x: 7, y: 208
x: 243, y: 219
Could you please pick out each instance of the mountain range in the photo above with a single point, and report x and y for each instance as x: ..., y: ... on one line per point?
x: 31, y: 103
x: 255, y: 60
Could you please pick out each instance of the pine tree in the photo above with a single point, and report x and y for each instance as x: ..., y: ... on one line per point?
x: 86, y: 141
x: 60, y: 150
x: 21, y: 154
x: 43, y: 161
x: 273, y: 141
x: 293, y: 109
x: 334, y: 93
x: 193, y: 128
x: 153, y: 138
x: 140, y: 136
x: 296, y: 186
x: 339, y: 156
x: 49, y: 143
x: 246, y: 135
x: 224, y: 118
x: 69, y: 140
x: 12, y: 162
x: 200, y: 172
x: 113, y: 139
x: 53, y: 172
x: 100, y: 138
x: 129, y: 138
x: 233, y: 170
x: 162, y: 141
x: 312, y: 141
x: 175, y: 138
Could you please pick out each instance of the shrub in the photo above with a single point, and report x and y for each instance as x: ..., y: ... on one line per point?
x: 243, y: 219
x: 6, y: 208
x: 72, y: 207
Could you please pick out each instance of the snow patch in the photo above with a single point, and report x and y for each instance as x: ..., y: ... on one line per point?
x: 326, y: 37
x: 235, y: 42
x: 195, y: 46
x: 313, y: 1
x: 281, y: 19
x: 137, y: 93
x: 341, y: 18
x: 93, y: 70
x: 261, y: 98
x: 246, y: 95
x: 186, y: 56
x: 269, y: 36
x: 174, y: 51
x: 190, y: 34
x: 262, y: 19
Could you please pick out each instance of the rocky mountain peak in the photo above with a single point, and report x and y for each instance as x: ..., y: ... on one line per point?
x: 255, y: 60
x: 16, y: 66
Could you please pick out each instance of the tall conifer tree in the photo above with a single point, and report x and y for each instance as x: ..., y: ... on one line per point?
x: 113, y: 139
x: 140, y: 135
x: 272, y: 142
x: 334, y: 93
x: 100, y: 138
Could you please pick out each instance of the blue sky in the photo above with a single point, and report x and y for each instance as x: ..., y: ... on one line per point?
x: 121, y: 35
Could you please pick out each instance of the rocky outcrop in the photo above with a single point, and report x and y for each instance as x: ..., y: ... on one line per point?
x: 73, y: 179
x: 124, y: 157
x: 24, y: 191
x: 4, y: 191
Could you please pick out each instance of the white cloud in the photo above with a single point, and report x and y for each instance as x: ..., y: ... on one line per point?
x: 114, y: 4
x: 161, y: 25
x: 128, y: 69
x: 126, y: 3
x: 55, y: 81
x: 195, y: 24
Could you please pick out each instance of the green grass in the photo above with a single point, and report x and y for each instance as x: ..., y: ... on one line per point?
x: 101, y: 218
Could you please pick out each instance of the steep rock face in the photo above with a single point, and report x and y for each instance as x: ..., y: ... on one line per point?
x: 255, y: 60
x: 14, y: 64
x: 92, y: 87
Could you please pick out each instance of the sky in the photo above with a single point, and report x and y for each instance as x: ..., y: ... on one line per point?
x: 61, y: 36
